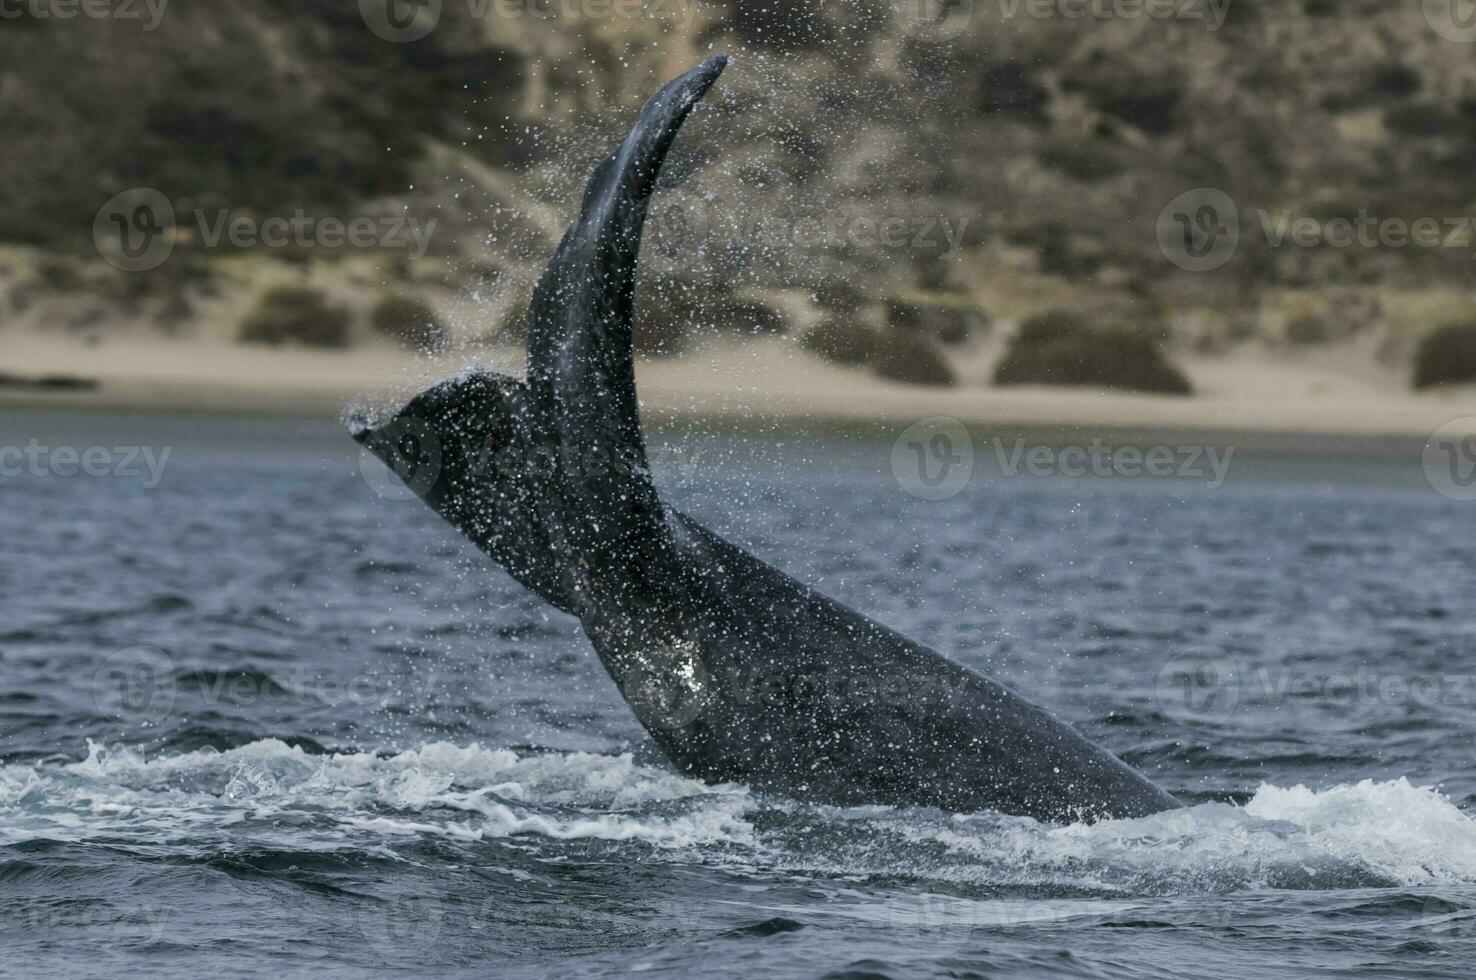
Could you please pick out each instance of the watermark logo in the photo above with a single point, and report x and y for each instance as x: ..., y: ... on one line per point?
x: 694, y: 223
x: 1449, y: 459
x: 144, y: 684
x: 1447, y: 919
x: 1365, y: 230
x: 150, y: 12
x: 250, y: 783
x: 1210, y: 464
x: 405, y: 21
x: 933, y: 20
x: 944, y: 20
x: 98, y: 462
x: 401, y: 21
x: 136, y: 685
x: 1199, y: 230
x: 137, y: 231
x: 1199, y: 687
x: 302, y: 230
x: 1204, y: 687
x: 405, y: 457
x: 667, y: 690
x: 103, y: 922
x: 1454, y: 20
x: 401, y: 924
x: 933, y: 459
x: 685, y: 460
x: 134, y: 230
x: 407, y: 462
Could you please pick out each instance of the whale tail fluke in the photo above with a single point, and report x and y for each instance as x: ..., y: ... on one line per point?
x: 467, y: 447
x: 739, y: 672
x: 581, y: 363
x: 550, y: 476
x: 580, y: 360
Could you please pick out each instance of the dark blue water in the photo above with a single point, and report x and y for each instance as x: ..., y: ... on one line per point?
x: 256, y: 720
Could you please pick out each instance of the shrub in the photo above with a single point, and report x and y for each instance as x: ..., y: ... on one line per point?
x: 58, y: 275
x: 670, y: 308
x: 1087, y: 163
x: 1048, y: 328
x: 664, y: 335
x: 666, y: 309
x: 1354, y: 311
x: 911, y: 360
x: 947, y: 317
x: 1419, y: 120
x: 1149, y: 324
x: 839, y: 296
x: 1062, y: 252
x: 841, y: 341
x: 1395, y: 79
x: 744, y: 316
x: 1059, y: 348
x: 296, y: 314
x: 1148, y: 101
x: 409, y: 321
x: 1447, y: 356
x: 1009, y: 89
x: 1307, y: 331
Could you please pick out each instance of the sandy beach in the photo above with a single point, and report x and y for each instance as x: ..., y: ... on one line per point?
x: 1339, y: 395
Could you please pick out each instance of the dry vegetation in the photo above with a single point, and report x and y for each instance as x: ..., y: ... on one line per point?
x: 1023, y: 165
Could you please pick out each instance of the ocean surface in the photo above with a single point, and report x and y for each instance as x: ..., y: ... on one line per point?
x: 259, y: 720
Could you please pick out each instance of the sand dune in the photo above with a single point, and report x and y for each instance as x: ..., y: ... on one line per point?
x: 770, y: 381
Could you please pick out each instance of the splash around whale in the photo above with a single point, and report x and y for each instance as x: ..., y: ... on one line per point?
x: 738, y: 672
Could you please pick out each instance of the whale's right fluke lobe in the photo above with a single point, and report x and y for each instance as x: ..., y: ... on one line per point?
x: 581, y: 365
x: 580, y: 360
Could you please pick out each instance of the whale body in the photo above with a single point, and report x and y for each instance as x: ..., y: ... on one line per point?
x: 739, y: 672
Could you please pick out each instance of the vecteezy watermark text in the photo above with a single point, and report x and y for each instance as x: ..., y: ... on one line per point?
x: 1365, y: 230
x: 99, y: 462
x: 138, y: 230
x: 672, y: 699
x: 691, y: 224
x: 1208, y: 463
x: 140, y: 685
x: 1211, y: 13
x: 418, y: 452
x: 406, y: 21
x: 1206, y: 686
x: 934, y: 459
x: 1201, y: 230
x: 149, y: 12
x: 941, y: 20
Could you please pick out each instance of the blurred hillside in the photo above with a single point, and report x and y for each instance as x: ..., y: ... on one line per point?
x: 853, y: 155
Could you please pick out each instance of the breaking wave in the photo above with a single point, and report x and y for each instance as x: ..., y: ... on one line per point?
x: 271, y: 795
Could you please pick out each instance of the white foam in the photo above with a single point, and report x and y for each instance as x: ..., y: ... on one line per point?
x: 1378, y: 832
x: 1368, y: 833
x: 463, y: 792
x: 1411, y: 834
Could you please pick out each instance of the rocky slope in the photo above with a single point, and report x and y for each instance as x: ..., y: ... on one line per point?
x: 855, y: 150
